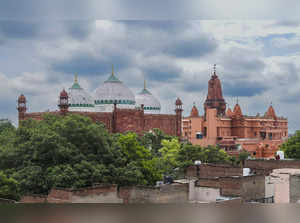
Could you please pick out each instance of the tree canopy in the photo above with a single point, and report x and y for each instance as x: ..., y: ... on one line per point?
x: 73, y: 152
x: 291, y: 147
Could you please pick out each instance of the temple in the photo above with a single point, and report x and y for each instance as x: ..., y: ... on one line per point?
x: 260, y: 135
x: 114, y: 105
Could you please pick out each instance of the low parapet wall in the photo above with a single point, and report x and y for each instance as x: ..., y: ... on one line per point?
x: 266, y: 166
x: 34, y: 199
x: 173, y: 193
x: 248, y: 187
x: 213, y: 170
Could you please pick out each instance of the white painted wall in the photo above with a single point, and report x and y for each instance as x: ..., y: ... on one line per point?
x: 204, y: 194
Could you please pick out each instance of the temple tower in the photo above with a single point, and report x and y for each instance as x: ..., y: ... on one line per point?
x: 214, y: 97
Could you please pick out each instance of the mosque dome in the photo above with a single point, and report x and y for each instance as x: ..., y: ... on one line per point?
x: 151, y: 104
x: 79, y: 99
x: 113, y: 91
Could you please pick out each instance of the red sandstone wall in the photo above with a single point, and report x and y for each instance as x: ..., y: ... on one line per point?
x: 166, y: 123
x: 125, y: 120
x: 129, y: 120
x: 104, y: 117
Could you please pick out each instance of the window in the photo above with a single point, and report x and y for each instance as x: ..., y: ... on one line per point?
x: 199, y: 135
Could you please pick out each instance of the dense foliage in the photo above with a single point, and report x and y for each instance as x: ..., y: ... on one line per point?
x: 291, y: 147
x: 73, y: 152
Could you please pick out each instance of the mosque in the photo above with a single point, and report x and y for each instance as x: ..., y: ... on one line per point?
x: 260, y: 135
x: 114, y: 104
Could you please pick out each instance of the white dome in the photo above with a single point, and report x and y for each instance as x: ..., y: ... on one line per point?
x: 113, y: 91
x: 151, y: 104
x: 79, y: 99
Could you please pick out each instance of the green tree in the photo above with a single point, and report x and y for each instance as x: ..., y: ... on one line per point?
x: 8, y: 187
x: 243, y: 156
x: 153, y: 140
x: 70, y: 151
x: 291, y: 147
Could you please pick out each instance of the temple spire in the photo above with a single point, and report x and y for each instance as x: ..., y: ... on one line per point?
x: 112, y: 70
x: 214, y: 97
x: 144, y: 83
x: 215, y: 69
x: 76, y: 79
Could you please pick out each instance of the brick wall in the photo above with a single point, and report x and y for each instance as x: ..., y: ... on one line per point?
x: 294, y: 188
x: 213, y: 170
x: 96, y: 194
x: 249, y: 187
x: 33, y: 199
x: 174, y: 193
x: 266, y: 166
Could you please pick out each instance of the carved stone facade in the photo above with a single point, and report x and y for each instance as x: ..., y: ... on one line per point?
x: 232, y: 130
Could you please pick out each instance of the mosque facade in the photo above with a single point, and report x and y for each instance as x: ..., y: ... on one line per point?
x: 114, y: 105
x: 260, y: 135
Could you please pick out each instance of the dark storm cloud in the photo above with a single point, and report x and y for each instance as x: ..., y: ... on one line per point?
x: 79, y: 29
x: 162, y: 72
x: 287, y: 23
x: 87, y: 64
x: 18, y: 29
x: 243, y: 88
x: 242, y: 64
x: 194, y: 86
x: 145, y: 9
x: 288, y: 74
x: 161, y: 25
x: 189, y: 48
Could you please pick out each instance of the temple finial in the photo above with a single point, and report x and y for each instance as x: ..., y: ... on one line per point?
x: 76, y: 78
x: 237, y: 100
x: 215, y: 69
x: 144, y: 83
x: 112, y: 70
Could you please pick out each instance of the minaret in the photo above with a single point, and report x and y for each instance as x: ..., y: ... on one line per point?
x: 63, y: 102
x: 214, y: 97
x: 178, y: 110
x: 22, y: 107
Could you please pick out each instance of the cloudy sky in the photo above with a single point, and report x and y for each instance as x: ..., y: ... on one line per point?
x: 258, y: 61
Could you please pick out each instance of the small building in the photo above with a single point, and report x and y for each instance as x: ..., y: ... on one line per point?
x: 284, y: 185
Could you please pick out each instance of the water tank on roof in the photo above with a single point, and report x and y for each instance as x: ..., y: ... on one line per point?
x: 280, y: 154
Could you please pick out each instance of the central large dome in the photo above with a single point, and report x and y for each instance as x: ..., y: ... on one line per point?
x: 113, y: 91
